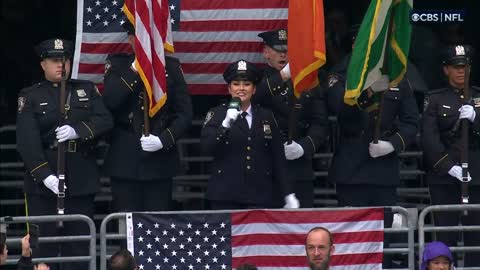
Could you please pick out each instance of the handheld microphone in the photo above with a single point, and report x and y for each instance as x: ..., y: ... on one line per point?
x: 235, y: 103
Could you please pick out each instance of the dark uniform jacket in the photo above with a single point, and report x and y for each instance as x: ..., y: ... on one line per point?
x: 38, y: 117
x: 442, y: 135
x: 311, y: 119
x: 351, y: 162
x: 123, y: 95
x: 247, y: 162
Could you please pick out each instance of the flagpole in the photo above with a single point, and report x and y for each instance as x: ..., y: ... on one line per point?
x: 384, y: 70
x: 146, y: 118
x: 465, y: 141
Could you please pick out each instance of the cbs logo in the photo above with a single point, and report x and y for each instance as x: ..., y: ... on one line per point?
x: 425, y: 17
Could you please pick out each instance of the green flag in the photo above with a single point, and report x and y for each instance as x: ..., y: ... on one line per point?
x: 372, y: 54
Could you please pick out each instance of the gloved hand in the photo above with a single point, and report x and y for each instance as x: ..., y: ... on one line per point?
x: 51, y: 182
x: 456, y: 171
x: 380, y: 84
x: 151, y: 143
x: 232, y: 115
x: 291, y: 201
x: 293, y: 150
x: 285, y: 72
x: 467, y: 112
x: 379, y: 149
x: 65, y: 133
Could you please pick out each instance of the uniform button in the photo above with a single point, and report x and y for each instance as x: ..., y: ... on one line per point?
x: 248, y: 157
x: 131, y: 84
x: 248, y: 167
x: 461, y: 96
x: 248, y: 148
x: 219, y: 171
x: 444, y: 114
x: 218, y: 139
x: 249, y: 138
x: 227, y: 142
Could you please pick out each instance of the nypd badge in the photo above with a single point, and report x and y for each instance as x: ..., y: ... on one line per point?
x: 21, y: 103
x: 58, y: 44
x: 208, y: 117
x: 476, y: 102
x: 81, y: 93
x: 282, y: 34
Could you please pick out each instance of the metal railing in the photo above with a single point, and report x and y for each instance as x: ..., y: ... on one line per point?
x: 91, y: 258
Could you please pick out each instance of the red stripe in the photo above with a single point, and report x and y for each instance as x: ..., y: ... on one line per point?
x: 208, y: 89
x: 232, y: 4
x: 363, y: 258
x: 232, y: 25
x: 262, y: 216
x: 209, y: 68
x: 299, y: 261
x: 210, y: 47
x: 106, y: 48
x: 299, y: 239
x: 91, y: 68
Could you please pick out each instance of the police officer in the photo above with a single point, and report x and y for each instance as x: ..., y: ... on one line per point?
x: 141, y: 167
x: 245, y: 143
x: 38, y: 135
x: 442, y: 146
x: 275, y: 92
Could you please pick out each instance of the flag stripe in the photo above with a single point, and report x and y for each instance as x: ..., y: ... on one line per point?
x: 299, y: 239
x: 231, y: 25
x: 219, y: 4
x: 273, y: 261
x: 299, y: 250
x: 307, y: 217
x: 206, y: 47
x: 234, y: 14
x: 106, y: 48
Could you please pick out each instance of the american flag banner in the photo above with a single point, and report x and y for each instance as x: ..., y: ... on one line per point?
x: 151, y: 19
x: 269, y: 239
x: 208, y: 35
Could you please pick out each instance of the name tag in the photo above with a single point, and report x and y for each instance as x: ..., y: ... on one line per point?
x: 44, y: 104
x: 446, y: 107
x: 83, y: 99
x: 394, y: 89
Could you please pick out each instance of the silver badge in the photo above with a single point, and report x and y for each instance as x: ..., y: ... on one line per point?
x: 208, y: 118
x: 459, y: 50
x: 58, y: 44
x: 267, y: 129
x: 21, y: 103
x: 332, y: 79
x: 81, y: 93
x: 242, y: 65
x: 282, y: 34
x: 476, y: 102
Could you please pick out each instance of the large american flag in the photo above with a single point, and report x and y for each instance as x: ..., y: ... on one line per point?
x: 208, y: 35
x: 269, y: 239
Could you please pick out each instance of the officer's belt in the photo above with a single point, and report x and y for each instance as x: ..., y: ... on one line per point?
x: 71, y: 146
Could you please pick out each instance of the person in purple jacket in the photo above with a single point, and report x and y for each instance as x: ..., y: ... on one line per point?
x: 437, y: 256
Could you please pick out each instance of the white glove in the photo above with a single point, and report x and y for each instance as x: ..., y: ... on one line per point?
x: 293, y: 150
x: 65, y: 133
x: 51, y: 182
x: 151, y: 143
x: 467, y: 112
x: 291, y: 201
x: 379, y: 149
x: 232, y: 115
x: 380, y: 84
x: 285, y: 72
x: 456, y: 171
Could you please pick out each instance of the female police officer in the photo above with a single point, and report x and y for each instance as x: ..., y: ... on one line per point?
x: 38, y: 135
x: 245, y: 142
x: 442, y: 146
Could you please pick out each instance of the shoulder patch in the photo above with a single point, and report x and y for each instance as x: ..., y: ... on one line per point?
x: 21, y: 103
x: 208, y: 117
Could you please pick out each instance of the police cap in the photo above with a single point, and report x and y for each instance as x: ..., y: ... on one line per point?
x: 457, y: 55
x: 242, y: 71
x: 54, y: 48
x: 277, y: 39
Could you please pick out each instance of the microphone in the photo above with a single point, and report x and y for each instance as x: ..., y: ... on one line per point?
x: 235, y: 103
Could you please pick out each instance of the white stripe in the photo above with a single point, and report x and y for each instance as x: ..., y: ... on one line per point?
x: 299, y: 250
x: 229, y: 36
x: 204, y: 79
x: 234, y: 14
x: 274, y: 228
x: 95, y: 78
x: 283, y: 268
x: 381, y: 17
x: 78, y: 40
x: 93, y: 58
x: 218, y: 57
x: 372, y: 266
x: 120, y: 37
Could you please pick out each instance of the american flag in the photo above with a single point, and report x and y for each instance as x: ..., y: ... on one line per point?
x: 208, y: 35
x: 269, y: 239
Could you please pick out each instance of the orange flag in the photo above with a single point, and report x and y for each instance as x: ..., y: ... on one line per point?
x: 306, y: 42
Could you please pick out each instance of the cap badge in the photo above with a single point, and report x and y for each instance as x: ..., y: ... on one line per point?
x: 58, y: 44
x: 282, y: 34
x: 242, y: 65
x: 459, y: 50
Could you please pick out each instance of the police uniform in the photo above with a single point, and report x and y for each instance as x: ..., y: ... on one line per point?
x: 310, y: 130
x: 442, y: 149
x: 248, y: 162
x: 37, y: 118
x: 142, y: 180
x: 360, y: 179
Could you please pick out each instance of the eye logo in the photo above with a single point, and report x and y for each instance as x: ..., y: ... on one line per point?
x: 415, y: 17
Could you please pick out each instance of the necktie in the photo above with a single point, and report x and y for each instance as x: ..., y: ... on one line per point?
x: 243, y: 121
